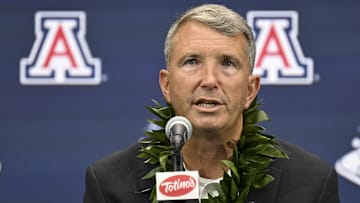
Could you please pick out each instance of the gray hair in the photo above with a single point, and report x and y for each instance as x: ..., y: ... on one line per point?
x: 217, y: 17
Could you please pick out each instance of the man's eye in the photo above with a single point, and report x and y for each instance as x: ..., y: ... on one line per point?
x: 227, y: 63
x: 191, y: 62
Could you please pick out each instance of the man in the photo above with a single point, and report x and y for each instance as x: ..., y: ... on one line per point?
x: 210, y: 53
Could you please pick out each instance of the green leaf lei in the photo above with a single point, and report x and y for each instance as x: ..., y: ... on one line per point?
x: 248, y: 168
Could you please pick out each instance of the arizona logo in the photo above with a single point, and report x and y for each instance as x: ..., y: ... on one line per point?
x: 280, y: 59
x: 60, y: 54
x: 348, y: 166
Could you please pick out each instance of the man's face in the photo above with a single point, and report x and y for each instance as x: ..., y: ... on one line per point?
x: 208, y: 79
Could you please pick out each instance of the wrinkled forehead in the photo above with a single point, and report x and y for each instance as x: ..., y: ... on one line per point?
x: 240, y: 39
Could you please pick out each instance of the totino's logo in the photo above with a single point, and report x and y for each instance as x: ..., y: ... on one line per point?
x: 60, y: 55
x: 280, y: 59
x: 177, y: 185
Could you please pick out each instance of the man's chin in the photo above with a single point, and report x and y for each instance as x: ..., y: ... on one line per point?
x: 208, y: 126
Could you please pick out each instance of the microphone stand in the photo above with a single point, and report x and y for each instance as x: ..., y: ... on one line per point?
x: 177, y: 158
x: 178, y: 137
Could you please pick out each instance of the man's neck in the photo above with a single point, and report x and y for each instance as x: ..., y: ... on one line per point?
x: 205, y: 155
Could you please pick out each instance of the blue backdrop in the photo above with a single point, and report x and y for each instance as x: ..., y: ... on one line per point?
x: 50, y: 134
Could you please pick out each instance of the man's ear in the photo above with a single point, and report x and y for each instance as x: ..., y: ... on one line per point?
x: 164, y: 84
x: 253, y: 89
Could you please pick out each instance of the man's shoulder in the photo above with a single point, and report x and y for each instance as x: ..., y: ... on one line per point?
x: 298, y: 155
x: 310, y: 166
x: 121, y: 162
x: 124, y: 155
x: 118, y: 176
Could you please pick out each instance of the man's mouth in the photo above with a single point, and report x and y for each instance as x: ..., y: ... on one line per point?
x: 207, y: 103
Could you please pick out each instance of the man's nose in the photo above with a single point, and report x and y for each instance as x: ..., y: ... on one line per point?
x: 209, y: 76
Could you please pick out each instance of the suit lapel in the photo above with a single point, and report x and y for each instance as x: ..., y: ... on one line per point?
x: 267, y: 194
x: 145, y: 184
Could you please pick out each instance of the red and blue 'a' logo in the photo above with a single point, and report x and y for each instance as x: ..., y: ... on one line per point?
x: 279, y: 60
x: 60, y: 54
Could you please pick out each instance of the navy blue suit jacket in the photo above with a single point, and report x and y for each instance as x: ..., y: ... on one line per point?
x: 303, y: 178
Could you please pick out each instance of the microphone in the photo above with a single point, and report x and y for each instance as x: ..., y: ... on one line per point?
x: 178, y: 130
x: 177, y: 184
